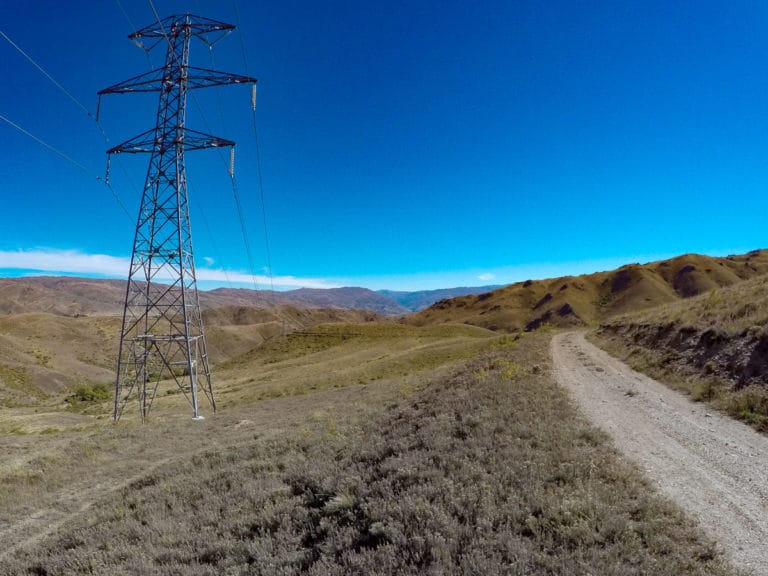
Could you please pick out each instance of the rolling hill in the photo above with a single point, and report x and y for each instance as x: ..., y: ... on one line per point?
x: 61, y: 295
x: 42, y: 355
x: 587, y: 299
x: 722, y: 333
x: 70, y: 296
x: 359, y: 440
x: 350, y: 298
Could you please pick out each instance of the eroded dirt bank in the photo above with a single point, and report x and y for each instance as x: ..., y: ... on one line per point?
x: 740, y: 359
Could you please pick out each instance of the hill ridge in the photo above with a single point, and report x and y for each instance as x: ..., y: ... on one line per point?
x: 590, y: 298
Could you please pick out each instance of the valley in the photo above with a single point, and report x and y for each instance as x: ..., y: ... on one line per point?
x: 347, y: 439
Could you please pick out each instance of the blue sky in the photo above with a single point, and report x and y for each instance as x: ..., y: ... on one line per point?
x: 404, y: 145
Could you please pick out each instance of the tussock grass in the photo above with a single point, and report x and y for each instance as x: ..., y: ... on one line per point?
x: 486, y: 470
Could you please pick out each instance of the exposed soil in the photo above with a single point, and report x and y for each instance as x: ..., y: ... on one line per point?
x: 714, y: 467
x: 741, y: 359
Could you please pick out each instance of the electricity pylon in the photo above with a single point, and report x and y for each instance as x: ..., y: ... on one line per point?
x: 162, y: 337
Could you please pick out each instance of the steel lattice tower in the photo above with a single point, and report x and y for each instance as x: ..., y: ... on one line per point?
x: 162, y: 337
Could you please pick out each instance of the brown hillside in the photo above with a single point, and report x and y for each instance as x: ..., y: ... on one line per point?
x: 349, y: 298
x: 235, y: 330
x: 580, y: 300
x: 43, y: 355
x: 65, y: 296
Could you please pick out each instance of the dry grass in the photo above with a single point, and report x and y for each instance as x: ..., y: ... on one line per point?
x: 732, y: 310
x: 484, y: 468
x: 591, y: 298
x: 42, y: 355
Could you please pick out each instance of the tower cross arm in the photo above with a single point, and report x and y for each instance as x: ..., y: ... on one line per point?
x: 190, y: 139
x: 157, y: 80
x: 197, y: 25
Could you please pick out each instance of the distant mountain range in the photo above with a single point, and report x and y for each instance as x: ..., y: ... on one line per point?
x: 415, y: 301
x: 68, y: 296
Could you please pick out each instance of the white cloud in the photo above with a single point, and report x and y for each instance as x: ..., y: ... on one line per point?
x: 486, y: 276
x: 74, y: 262
x: 64, y: 261
x: 208, y: 261
x: 223, y: 277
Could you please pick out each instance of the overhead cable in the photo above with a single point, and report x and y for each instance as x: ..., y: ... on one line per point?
x: 68, y: 159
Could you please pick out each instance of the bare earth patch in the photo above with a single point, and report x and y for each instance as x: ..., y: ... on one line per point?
x: 712, y: 466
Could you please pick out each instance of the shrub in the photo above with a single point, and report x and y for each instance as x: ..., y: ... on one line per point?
x: 91, y: 392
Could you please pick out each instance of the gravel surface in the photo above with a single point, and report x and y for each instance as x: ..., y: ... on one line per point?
x: 714, y: 467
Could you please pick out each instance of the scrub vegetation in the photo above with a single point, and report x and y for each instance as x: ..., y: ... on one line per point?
x: 440, y: 461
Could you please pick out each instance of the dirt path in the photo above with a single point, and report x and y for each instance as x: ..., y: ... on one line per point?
x: 714, y: 467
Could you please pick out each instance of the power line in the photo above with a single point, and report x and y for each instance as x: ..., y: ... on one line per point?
x: 240, y: 31
x: 42, y: 70
x: 159, y: 21
x: 263, y: 203
x: 68, y: 159
x: 211, y: 237
x: 238, y: 204
x: 40, y: 141
x: 80, y: 106
x: 133, y: 27
x: 236, y: 195
x: 244, y: 230
x: 267, y: 244
x: 128, y: 18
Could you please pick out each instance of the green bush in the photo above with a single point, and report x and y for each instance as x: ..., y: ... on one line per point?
x: 91, y: 392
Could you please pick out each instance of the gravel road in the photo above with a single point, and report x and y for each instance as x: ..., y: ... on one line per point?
x: 714, y: 467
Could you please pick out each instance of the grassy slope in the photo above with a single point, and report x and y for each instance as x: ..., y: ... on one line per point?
x: 713, y: 346
x: 588, y: 299
x: 484, y: 468
x: 43, y: 357
x: 42, y: 354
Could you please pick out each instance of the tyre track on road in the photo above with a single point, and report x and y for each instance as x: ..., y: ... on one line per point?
x: 712, y: 466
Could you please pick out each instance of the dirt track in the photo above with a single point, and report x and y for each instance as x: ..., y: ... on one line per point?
x: 714, y: 467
